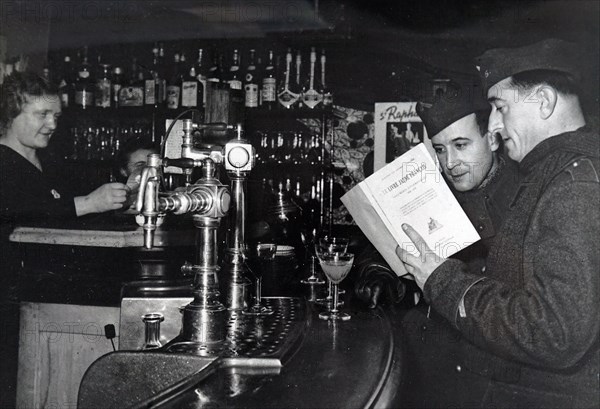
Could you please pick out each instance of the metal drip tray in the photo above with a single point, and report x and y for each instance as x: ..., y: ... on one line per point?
x: 256, y: 341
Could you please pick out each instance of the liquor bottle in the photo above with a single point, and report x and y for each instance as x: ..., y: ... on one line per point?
x: 192, y: 90
x: 174, y: 85
x: 117, y: 84
x: 311, y: 96
x: 103, y: 87
x: 162, y: 75
x: 251, y: 83
x: 297, y: 85
x: 65, y: 84
x: 151, y: 81
x: 286, y: 96
x: 234, y: 79
x: 201, y: 76
x: 84, y: 87
x: 215, y: 74
x: 269, y: 85
x: 325, y: 91
x: 132, y: 93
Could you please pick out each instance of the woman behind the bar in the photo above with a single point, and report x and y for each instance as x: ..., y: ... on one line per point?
x: 31, y: 191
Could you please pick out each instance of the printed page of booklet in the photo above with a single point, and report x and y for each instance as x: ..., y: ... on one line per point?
x: 409, y: 190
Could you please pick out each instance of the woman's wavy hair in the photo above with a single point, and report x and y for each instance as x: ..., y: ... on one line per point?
x: 17, y: 90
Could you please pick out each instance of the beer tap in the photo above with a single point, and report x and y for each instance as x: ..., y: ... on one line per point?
x: 208, y: 201
x: 239, y: 160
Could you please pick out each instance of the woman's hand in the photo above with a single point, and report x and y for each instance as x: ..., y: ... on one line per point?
x: 110, y: 196
x: 425, y: 263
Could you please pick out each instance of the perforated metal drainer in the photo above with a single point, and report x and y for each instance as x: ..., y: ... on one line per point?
x: 257, y: 341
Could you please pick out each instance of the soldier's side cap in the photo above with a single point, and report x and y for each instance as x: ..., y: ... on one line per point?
x: 552, y: 54
x: 449, y: 108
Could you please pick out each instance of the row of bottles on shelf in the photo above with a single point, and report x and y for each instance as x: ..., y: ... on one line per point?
x: 281, y: 147
x: 268, y: 81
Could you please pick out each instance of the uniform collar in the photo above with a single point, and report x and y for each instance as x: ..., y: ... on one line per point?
x: 581, y: 140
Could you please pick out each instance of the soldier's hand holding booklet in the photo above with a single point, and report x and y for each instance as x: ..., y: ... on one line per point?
x: 410, y: 190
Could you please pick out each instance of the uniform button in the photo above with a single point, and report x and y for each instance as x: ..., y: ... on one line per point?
x: 483, y: 269
x: 575, y: 164
x: 458, y: 368
x: 424, y: 327
x: 481, y: 227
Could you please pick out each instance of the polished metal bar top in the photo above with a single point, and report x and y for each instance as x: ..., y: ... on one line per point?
x: 289, y: 360
x: 100, y: 238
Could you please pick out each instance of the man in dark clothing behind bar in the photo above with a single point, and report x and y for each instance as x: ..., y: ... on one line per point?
x: 531, y: 319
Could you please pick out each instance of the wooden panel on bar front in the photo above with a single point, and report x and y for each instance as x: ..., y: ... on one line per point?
x: 57, y: 344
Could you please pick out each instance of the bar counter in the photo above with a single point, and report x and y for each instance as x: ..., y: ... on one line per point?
x: 351, y: 364
x: 305, y: 362
x: 89, y: 260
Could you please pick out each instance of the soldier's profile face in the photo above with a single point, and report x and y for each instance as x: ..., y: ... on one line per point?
x: 514, y: 117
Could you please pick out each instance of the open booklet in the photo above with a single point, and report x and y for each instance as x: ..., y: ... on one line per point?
x: 409, y: 190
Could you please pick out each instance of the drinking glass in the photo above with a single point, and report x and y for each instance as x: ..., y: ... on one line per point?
x: 308, y: 241
x: 336, y: 267
x: 330, y: 244
x: 258, y: 256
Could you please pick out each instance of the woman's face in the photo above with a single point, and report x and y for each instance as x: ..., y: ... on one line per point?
x: 34, y: 126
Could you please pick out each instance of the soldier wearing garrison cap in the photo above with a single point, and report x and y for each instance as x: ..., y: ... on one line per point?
x: 483, y: 181
x: 530, y: 321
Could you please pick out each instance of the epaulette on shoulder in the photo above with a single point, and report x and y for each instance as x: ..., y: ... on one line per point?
x: 583, y: 169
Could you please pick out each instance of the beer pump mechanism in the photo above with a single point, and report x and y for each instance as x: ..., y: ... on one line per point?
x: 208, y: 201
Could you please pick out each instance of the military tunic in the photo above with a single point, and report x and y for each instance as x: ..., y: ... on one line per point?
x: 531, y: 321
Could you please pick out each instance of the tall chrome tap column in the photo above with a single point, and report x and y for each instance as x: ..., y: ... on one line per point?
x: 239, y: 161
x: 208, y: 201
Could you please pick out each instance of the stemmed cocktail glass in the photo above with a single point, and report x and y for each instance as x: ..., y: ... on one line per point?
x: 258, y: 255
x: 336, y: 267
x: 330, y: 244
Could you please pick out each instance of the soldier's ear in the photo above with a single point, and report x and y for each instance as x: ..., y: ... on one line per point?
x: 493, y: 140
x: 547, y: 97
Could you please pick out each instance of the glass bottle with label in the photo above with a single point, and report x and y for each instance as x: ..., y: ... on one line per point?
x: 103, y: 87
x: 174, y: 85
x: 192, y: 90
x: 162, y: 75
x: 251, y: 83
x: 286, y: 97
x: 311, y: 96
x: 117, y: 84
x: 235, y: 83
x: 234, y: 80
x: 84, y: 87
x: 269, y: 85
x: 151, y: 80
x: 132, y: 94
x: 65, y: 85
x: 215, y: 74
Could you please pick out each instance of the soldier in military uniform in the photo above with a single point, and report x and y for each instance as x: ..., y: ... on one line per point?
x: 530, y: 321
x: 483, y: 180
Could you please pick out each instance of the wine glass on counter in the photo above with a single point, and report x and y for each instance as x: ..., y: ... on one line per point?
x: 308, y: 240
x: 330, y: 244
x: 336, y: 267
x: 258, y: 256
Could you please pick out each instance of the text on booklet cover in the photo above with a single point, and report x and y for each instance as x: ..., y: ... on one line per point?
x: 410, y: 190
